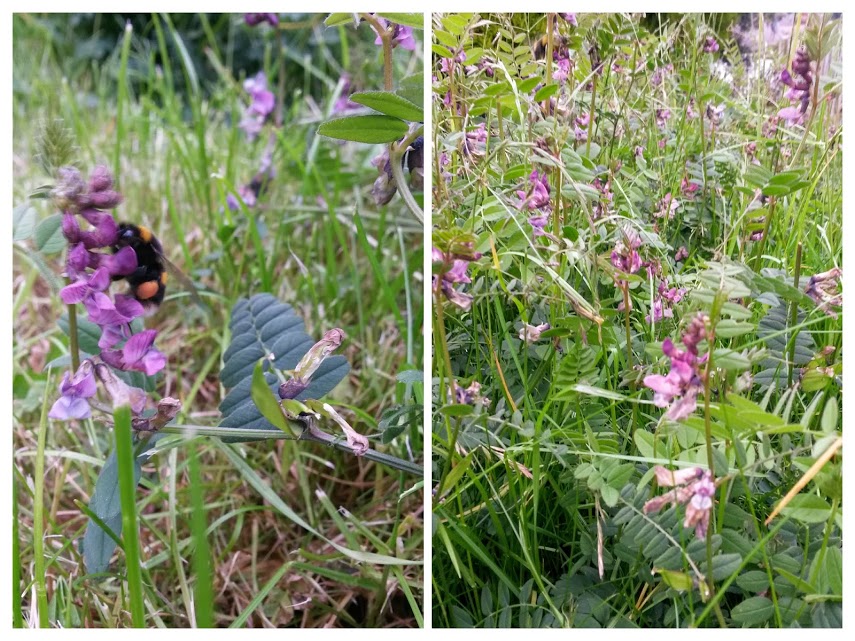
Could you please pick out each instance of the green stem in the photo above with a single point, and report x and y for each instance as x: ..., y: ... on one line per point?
x: 386, y: 39
x: 260, y: 435
x: 591, y: 116
x: 127, y: 493
x: 203, y: 600
x: 39, y: 514
x: 443, y: 348
x: 794, y: 308
x: 762, y: 247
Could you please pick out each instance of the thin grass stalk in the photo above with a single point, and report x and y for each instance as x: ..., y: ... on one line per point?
x: 203, y: 600
x: 39, y: 513
x: 127, y: 493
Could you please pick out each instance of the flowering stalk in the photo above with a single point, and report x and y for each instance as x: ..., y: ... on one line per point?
x: 385, y: 36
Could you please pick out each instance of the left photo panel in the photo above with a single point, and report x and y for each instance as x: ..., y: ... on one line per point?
x: 218, y: 320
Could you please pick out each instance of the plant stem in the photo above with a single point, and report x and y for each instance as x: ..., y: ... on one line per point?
x: 39, y: 515
x: 127, y: 492
x: 443, y: 348
x: 794, y: 308
x: 386, y: 39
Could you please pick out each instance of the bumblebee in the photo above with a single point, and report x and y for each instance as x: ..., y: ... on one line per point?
x: 560, y: 45
x: 148, y: 280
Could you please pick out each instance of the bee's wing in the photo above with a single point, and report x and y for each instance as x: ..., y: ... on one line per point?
x: 185, y: 281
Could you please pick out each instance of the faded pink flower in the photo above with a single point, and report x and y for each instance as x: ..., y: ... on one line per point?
x: 694, y: 487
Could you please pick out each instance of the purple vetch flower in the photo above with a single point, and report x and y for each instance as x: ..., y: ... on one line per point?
x: 710, y: 45
x: 538, y: 222
x: 662, y: 117
x: 444, y: 161
x: 453, y: 269
x: 625, y: 256
x: 570, y: 17
x: 470, y: 395
x: 261, y: 106
x: 531, y: 333
x: 92, y: 273
x: 253, y: 19
x: 401, y: 36
x: 714, y: 113
x: 824, y: 289
x: 121, y: 393
x: 581, y: 134
x: 689, y: 188
x: 74, y: 390
x: 562, y: 70
x: 678, y: 390
x: 665, y: 300
x: 682, y: 254
x: 694, y: 487
x: 799, y: 87
x: 691, y: 114
x: 538, y: 196
x: 791, y: 115
x: 138, y: 354
x: 603, y: 206
x: 668, y: 205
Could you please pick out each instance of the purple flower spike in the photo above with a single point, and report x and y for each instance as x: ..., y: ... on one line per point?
x: 710, y: 45
x: 74, y: 390
x: 138, y: 354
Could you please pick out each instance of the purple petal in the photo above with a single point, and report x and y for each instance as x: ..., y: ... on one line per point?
x: 122, y: 263
x: 66, y: 408
x: 75, y: 293
x: 138, y: 345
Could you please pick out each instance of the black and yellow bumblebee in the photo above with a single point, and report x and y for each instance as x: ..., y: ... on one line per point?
x: 148, y: 280
x: 559, y: 44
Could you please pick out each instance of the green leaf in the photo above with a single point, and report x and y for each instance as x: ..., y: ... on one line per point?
x: 106, y: 504
x: 261, y: 326
x: 776, y: 190
x: 335, y: 19
x: 730, y: 359
x: 369, y: 129
x: 754, y: 611
x: 412, y: 88
x: 729, y: 328
x: 545, y: 92
x: 644, y: 441
x: 680, y: 581
x: 415, y: 20
x: 410, y: 376
x: 445, y: 38
x: 441, y: 51
x: 456, y: 409
x: 390, y: 104
x: 830, y: 416
x: 266, y: 402
x: 48, y: 235
x: 23, y: 222
x: 807, y: 508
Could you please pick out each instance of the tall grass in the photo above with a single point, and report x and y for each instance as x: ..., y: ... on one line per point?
x: 544, y: 444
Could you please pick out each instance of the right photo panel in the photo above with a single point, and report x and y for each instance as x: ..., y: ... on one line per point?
x: 637, y: 320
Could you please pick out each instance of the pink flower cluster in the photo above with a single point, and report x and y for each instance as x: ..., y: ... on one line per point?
x: 694, y: 487
x: 678, y: 391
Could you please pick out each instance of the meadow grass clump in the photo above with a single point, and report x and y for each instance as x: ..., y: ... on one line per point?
x: 637, y: 245
x: 143, y: 497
